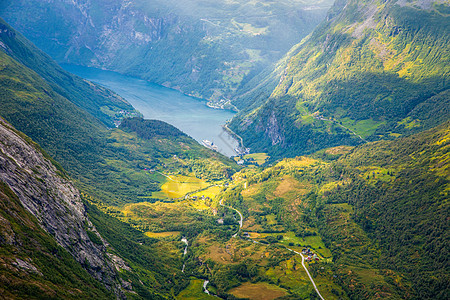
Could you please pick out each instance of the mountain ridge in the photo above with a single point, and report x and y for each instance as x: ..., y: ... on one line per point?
x: 369, y: 67
x: 224, y: 43
x: 45, y: 191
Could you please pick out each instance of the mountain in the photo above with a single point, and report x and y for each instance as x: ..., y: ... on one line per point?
x: 372, y: 70
x: 105, y: 257
x: 375, y: 215
x: 203, y: 48
x: 44, y: 225
x: 145, y: 212
x: 72, y: 129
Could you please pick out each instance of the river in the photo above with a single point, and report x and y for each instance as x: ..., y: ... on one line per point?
x: 189, y: 114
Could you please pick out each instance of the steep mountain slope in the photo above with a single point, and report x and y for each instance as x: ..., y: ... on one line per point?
x: 373, y: 69
x: 101, y: 160
x: 204, y: 48
x: 376, y: 215
x: 48, y: 242
x: 33, y: 264
x: 30, y: 180
x: 101, y: 103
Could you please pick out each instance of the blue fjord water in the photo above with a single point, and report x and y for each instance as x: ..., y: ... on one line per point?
x: 191, y: 115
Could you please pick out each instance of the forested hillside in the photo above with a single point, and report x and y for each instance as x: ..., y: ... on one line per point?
x: 99, y: 102
x: 110, y: 166
x: 399, y: 195
x: 376, y: 215
x: 373, y: 70
x: 204, y: 48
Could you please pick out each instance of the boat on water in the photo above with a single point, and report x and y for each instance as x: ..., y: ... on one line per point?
x: 210, y: 145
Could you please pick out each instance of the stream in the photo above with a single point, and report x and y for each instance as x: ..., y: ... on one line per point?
x: 184, y: 240
x: 205, y: 284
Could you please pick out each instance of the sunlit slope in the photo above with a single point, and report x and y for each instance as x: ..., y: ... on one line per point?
x: 374, y: 69
x: 373, y: 215
x: 399, y: 194
x: 204, y: 48
x: 98, y: 101
x: 376, y: 213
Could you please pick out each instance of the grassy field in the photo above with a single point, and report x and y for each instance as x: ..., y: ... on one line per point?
x: 162, y: 216
x: 260, y: 158
x: 364, y: 128
x: 162, y: 234
x: 297, y: 243
x: 258, y: 291
x: 194, y: 291
x: 178, y: 186
x: 210, y: 192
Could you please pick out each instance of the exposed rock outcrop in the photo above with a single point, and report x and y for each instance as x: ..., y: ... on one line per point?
x: 46, y: 192
x: 206, y: 49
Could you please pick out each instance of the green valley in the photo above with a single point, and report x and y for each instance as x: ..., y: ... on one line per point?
x: 203, y: 48
x: 342, y: 194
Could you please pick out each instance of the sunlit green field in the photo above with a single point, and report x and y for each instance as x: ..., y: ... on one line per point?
x: 194, y: 291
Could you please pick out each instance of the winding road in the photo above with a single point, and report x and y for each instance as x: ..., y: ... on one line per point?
x: 240, y: 214
x: 303, y: 258
x: 307, y: 272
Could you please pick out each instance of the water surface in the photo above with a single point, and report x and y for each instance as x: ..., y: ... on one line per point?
x: 189, y: 114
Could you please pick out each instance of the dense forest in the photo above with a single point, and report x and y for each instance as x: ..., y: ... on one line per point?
x: 344, y: 196
x: 373, y: 70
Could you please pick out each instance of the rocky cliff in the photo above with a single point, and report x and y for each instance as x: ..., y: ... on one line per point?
x: 45, y: 191
x: 207, y: 49
x: 372, y: 70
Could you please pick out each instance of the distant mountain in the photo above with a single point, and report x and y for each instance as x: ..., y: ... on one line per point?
x: 105, y: 166
x: 204, y: 48
x: 66, y: 116
x: 372, y: 70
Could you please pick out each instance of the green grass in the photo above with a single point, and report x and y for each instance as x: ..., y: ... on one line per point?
x: 260, y: 158
x: 257, y: 291
x: 194, y: 291
x: 409, y: 123
x: 178, y: 186
x: 364, y: 128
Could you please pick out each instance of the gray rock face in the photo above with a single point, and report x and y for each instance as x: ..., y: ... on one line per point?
x: 202, y: 48
x: 46, y: 193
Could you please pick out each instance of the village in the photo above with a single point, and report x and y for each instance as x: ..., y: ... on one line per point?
x: 310, y: 255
